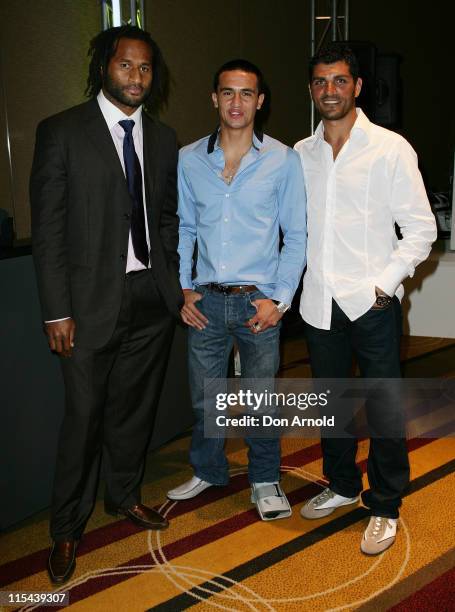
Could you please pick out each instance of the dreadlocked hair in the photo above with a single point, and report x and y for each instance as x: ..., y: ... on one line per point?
x: 102, y: 49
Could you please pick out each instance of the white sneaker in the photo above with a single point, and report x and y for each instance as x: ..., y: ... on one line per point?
x: 189, y: 489
x: 379, y: 535
x: 325, y: 503
x: 271, y: 501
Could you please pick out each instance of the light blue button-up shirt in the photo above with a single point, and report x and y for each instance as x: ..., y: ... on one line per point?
x: 236, y: 226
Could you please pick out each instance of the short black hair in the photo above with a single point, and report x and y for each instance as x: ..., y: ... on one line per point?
x: 102, y: 49
x: 239, y: 64
x: 335, y: 52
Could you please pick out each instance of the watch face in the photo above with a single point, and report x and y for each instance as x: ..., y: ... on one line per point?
x: 383, y: 300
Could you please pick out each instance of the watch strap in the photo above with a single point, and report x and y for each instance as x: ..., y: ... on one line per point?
x: 282, y: 307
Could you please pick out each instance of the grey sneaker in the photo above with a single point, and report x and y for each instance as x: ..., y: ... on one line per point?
x: 379, y: 535
x: 325, y: 503
x: 271, y: 501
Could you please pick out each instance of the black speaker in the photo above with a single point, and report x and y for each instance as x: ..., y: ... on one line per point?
x: 380, y: 97
x: 388, y: 90
x: 366, y: 53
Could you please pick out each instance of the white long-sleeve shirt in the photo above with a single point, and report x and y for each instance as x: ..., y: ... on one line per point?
x: 112, y: 115
x: 352, y: 206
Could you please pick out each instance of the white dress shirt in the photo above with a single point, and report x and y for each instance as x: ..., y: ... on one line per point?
x: 352, y: 206
x: 112, y: 115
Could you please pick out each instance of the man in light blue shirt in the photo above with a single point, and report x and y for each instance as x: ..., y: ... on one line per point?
x: 237, y: 188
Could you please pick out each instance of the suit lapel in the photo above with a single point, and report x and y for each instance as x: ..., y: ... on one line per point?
x: 98, y: 133
x: 151, y: 151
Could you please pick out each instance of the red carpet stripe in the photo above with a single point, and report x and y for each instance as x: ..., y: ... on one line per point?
x: 195, y: 540
x: 437, y: 596
x: 108, y: 534
x: 103, y: 536
x: 202, y: 537
x: 296, y: 545
x: 186, y: 544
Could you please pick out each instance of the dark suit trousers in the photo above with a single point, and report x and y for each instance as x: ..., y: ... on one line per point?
x: 374, y: 340
x: 111, y: 399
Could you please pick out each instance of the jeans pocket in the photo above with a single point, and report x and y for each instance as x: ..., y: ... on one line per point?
x: 201, y: 290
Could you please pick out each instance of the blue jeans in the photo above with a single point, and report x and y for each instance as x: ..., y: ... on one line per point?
x: 208, y: 357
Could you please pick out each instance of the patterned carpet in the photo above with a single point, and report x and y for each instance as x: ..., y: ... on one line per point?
x: 217, y: 554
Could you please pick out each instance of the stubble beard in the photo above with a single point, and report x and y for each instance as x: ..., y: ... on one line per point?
x: 117, y: 92
x: 335, y: 116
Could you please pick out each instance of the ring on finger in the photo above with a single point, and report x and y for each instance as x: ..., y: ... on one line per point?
x: 257, y: 326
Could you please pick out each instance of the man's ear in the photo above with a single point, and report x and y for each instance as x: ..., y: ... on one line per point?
x: 260, y: 101
x: 215, y: 100
x: 358, y: 87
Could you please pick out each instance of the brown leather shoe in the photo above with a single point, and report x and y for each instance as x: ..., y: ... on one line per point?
x: 62, y: 561
x: 142, y: 516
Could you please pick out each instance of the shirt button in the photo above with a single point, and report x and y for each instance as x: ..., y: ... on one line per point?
x: 122, y: 256
x: 223, y: 267
x: 227, y: 195
x: 224, y: 243
x: 226, y: 219
x: 126, y: 215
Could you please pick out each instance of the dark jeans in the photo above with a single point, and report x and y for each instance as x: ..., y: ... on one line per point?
x: 374, y: 340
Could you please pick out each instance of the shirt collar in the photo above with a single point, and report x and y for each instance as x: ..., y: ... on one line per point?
x: 360, y: 130
x: 362, y: 126
x: 112, y: 114
x: 213, y: 142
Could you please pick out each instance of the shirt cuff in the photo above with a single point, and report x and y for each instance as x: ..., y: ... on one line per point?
x: 186, y: 282
x: 57, y: 320
x: 392, y: 276
x: 282, y: 295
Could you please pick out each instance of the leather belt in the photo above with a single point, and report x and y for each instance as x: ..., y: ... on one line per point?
x: 231, y: 289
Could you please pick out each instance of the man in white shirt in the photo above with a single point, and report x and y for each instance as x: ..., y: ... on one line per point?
x: 103, y: 192
x: 361, y: 179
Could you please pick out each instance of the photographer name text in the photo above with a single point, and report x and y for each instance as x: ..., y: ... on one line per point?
x: 266, y: 420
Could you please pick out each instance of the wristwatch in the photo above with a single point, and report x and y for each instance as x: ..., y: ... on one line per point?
x: 281, y: 306
x: 382, y: 300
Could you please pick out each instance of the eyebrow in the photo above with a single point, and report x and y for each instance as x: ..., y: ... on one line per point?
x: 237, y: 89
x: 336, y: 76
x: 129, y: 59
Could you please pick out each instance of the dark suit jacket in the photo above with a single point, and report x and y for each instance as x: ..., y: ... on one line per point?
x: 81, y: 219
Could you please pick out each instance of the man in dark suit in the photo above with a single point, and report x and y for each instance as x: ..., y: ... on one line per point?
x: 104, y: 225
